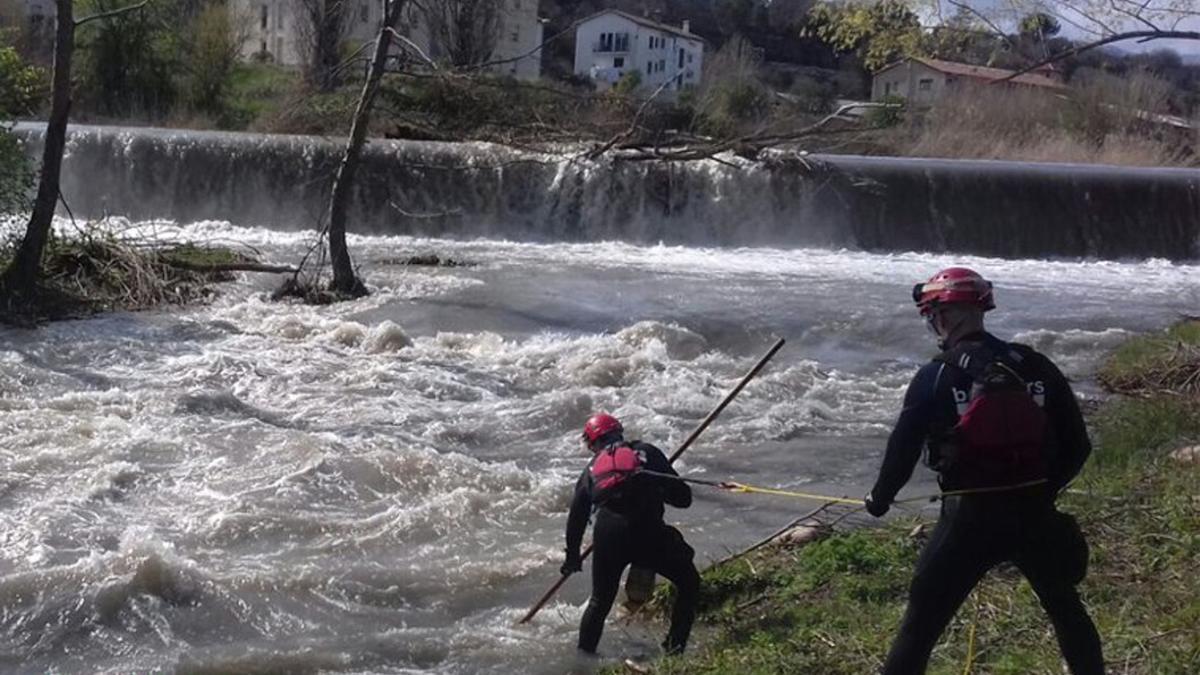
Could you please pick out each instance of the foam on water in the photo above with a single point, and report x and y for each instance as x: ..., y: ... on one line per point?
x: 381, y: 485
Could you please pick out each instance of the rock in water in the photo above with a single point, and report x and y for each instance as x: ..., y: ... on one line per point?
x: 801, y: 534
x: 634, y: 666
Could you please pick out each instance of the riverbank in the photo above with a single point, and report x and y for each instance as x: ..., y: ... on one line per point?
x: 832, y: 606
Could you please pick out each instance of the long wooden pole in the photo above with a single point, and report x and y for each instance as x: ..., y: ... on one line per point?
x: 687, y: 442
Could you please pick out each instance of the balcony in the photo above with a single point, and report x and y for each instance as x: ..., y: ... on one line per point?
x: 611, y: 43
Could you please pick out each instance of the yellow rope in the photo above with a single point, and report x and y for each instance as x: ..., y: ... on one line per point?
x: 974, y: 491
x: 742, y: 487
x: 739, y: 487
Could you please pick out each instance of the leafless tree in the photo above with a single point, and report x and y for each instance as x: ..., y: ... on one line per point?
x: 345, y: 280
x: 18, y: 283
x: 1103, y: 22
x: 321, y: 26
x: 465, y: 30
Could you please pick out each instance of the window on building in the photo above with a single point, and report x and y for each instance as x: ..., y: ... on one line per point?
x: 516, y: 35
x: 681, y: 58
x: 662, y: 65
x: 262, y: 46
x: 606, y: 42
x: 262, y: 19
x: 925, y: 84
x: 690, y: 55
x: 364, y: 13
x: 649, y: 67
x: 618, y: 62
x: 622, y: 42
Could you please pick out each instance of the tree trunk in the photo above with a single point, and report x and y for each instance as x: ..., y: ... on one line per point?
x: 334, y: 16
x: 20, y: 279
x: 344, y: 279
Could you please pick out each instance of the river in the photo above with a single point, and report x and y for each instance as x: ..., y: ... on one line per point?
x: 380, y: 486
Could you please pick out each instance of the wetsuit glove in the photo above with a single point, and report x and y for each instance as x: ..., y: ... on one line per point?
x: 875, y: 507
x: 572, y: 564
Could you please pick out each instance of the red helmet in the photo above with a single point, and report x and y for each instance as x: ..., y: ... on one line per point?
x: 953, y: 284
x: 601, y: 426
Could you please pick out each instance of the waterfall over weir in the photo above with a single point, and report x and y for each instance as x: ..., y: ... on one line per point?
x: 1006, y: 209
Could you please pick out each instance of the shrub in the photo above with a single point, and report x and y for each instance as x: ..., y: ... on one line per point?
x: 731, y: 95
x: 128, y: 65
x: 213, y: 49
x: 20, y: 85
x: 628, y: 83
x: 890, y: 116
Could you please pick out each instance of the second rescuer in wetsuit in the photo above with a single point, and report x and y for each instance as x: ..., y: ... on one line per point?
x: 629, y: 528
x: 961, y: 407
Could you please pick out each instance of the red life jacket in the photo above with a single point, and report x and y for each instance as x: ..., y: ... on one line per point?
x: 611, y: 471
x: 1001, y: 438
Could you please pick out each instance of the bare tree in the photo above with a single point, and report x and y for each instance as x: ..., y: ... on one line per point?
x: 321, y: 26
x: 1111, y: 21
x: 465, y: 30
x: 19, y: 281
x: 1104, y: 22
x: 345, y: 280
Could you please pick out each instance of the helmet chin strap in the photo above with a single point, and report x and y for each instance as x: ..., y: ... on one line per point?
x: 944, y: 339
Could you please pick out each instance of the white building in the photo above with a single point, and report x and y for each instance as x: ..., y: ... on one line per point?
x: 612, y: 43
x: 272, y: 30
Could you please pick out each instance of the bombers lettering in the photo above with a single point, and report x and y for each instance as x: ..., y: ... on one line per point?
x: 962, y: 397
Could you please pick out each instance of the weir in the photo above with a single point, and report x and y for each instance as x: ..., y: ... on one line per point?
x: 469, y: 190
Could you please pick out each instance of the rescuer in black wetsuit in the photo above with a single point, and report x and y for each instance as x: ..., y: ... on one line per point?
x: 976, y: 532
x: 629, y: 528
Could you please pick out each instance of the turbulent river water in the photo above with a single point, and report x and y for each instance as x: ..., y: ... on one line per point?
x: 381, y: 486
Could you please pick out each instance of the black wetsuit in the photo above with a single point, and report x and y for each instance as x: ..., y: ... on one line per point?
x: 977, y: 532
x: 630, y: 530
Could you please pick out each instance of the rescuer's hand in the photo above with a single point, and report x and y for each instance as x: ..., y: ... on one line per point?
x: 875, y: 507
x: 572, y: 564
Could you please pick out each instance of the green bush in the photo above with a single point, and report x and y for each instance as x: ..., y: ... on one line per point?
x: 890, y: 116
x: 20, y: 89
x: 21, y: 85
x: 628, y: 83
x: 212, y: 53
x: 128, y: 66
x: 16, y: 176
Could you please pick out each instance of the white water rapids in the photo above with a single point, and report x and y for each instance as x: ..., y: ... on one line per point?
x: 381, y: 486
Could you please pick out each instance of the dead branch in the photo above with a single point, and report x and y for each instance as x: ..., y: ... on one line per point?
x: 633, y: 125
x: 500, y: 62
x: 410, y: 46
x: 242, y: 266
x: 751, y: 144
x: 984, y: 18
x: 1139, y: 35
x: 425, y: 216
x: 111, y: 13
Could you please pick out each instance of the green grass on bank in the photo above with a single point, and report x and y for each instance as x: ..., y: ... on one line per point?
x: 833, y: 606
x: 1168, y: 362
x: 259, y: 90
